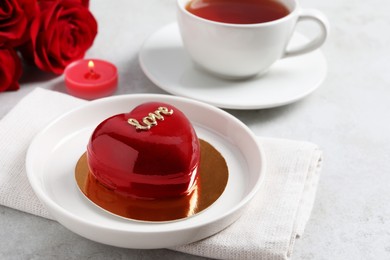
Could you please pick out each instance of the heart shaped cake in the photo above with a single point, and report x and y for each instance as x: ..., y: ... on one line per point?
x: 151, y: 152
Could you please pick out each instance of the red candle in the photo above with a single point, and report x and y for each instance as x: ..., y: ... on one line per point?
x: 91, y: 79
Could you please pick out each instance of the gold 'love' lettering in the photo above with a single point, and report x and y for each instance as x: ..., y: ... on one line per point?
x: 151, y: 119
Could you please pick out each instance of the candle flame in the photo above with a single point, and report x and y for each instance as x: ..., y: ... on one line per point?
x: 91, y: 66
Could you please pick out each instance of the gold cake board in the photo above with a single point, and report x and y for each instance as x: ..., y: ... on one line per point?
x: 212, y: 180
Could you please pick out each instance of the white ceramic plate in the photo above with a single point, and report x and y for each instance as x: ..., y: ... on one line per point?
x: 53, y: 154
x: 167, y: 64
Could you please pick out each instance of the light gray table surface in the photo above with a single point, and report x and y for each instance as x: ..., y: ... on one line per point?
x: 348, y: 117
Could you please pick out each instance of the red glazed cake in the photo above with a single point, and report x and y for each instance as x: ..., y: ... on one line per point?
x: 151, y: 152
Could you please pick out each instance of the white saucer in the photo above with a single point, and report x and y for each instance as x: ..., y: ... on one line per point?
x: 167, y: 64
x: 54, y: 152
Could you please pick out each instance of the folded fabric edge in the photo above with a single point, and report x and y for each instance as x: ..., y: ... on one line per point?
x: 308, y: 198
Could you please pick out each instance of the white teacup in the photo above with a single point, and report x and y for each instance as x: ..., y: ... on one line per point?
x: 243, y: 50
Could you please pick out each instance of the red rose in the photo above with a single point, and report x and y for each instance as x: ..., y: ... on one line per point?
x: 62, y: 33
x: 13, y: 21
x: 10, y: 70
x: 30, y: 8
x: 83, y: 2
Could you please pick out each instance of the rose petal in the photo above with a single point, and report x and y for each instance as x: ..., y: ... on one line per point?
x: 10, y: 70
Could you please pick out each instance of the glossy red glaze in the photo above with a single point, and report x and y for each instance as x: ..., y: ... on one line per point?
x: 157, y: 163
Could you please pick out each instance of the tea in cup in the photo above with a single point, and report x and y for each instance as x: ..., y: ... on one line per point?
x: 243, y: 38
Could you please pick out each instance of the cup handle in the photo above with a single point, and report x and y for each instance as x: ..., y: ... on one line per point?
x: 319, y: 18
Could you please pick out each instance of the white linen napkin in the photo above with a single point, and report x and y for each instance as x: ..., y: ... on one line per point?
x: 267, y: 229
